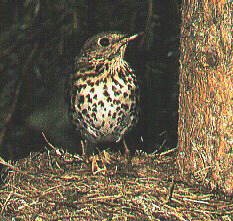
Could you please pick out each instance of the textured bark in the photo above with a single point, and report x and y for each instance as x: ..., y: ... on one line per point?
x: 205, y: 133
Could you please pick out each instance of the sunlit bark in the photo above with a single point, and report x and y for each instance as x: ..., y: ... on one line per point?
x: 206, y: 93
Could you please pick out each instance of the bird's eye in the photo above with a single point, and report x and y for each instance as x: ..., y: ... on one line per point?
x: 104, y: 42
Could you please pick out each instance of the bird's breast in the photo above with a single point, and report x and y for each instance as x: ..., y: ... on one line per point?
x: 106, y: 105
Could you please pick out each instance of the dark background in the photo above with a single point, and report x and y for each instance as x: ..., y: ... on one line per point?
x: 38, y: 43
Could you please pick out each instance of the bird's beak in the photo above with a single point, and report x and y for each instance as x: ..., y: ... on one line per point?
x: 127, y: 39
x: 123, y: 41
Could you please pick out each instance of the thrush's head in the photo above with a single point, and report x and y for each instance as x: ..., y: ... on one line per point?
x: 104, y: 47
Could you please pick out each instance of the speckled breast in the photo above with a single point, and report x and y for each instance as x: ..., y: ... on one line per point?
x: 105, y: 107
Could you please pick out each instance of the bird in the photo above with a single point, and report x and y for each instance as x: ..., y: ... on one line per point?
x: 102, y: 93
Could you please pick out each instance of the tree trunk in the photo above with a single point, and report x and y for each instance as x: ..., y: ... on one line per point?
x: 205, y: 133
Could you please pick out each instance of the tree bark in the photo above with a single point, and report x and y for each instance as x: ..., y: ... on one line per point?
x: 205, y: 131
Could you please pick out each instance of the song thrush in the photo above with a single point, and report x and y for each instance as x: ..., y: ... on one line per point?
x: 103, y: 93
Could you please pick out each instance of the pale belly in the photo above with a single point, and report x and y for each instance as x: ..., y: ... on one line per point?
x: 106, y: 111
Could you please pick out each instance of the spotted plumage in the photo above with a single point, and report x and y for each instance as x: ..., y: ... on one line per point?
x: 103, y: 93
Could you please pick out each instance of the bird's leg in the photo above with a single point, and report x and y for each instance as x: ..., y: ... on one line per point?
x: 126, y: 148
x: 87, y: 149
x: 88, y: 156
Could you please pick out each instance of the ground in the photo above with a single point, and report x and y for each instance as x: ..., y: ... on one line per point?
x: 55, y: 185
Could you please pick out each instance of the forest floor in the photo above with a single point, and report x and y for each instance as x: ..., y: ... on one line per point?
x: 57, y: 185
